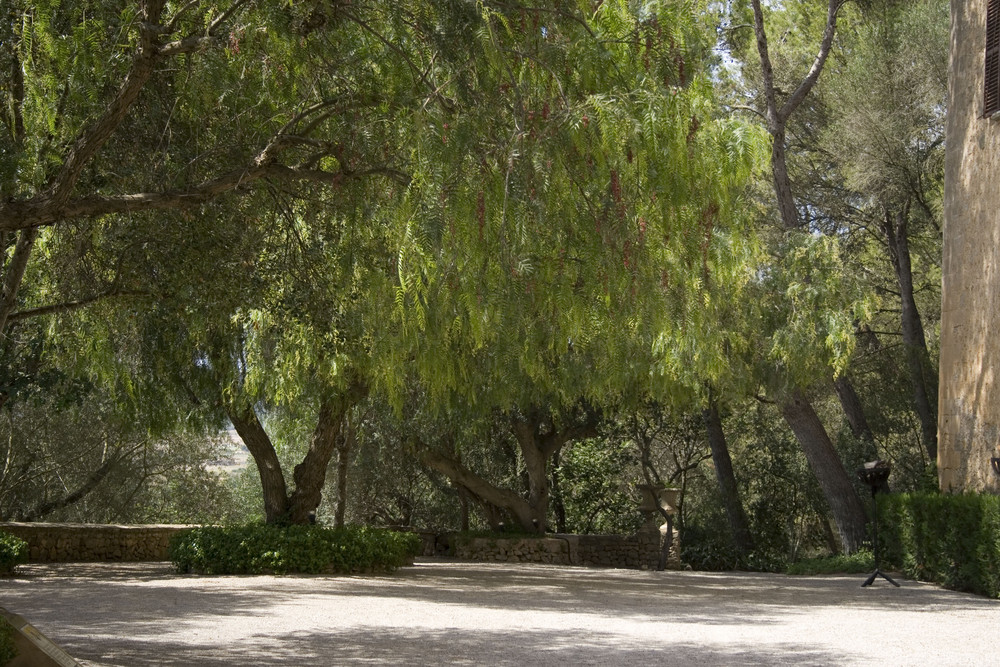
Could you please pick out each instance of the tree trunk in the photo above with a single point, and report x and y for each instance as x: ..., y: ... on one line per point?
x: 272, y: 482
x: 845, y: 505
x: 536, y: 460
x: 463, y: 502
x: 345, y: 445
x: 918, y: 361
x: 856, y: 419
x: 310, y: 474
x: 738, y: 523
x: 14, y: 273
x: 558, y: 506
x: 477, y: 486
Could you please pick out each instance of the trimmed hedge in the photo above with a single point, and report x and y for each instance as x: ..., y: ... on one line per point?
x: 952, y: 540
x: 13, y: 552
x: 264, y: 549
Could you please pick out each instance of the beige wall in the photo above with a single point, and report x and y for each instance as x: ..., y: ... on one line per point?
x: 969, y: 397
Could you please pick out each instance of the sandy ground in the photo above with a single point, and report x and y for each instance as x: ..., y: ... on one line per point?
x: 460, y: 613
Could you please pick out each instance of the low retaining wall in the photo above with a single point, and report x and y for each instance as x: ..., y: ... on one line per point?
x: 62, y: 542
x: 636, y: 552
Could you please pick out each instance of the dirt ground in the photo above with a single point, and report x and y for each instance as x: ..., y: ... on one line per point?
x: 462, y: 613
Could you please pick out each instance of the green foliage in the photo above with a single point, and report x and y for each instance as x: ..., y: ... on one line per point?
x: 857, y: 563
x: 8, y: 651
x: 13, y: 552
x: 711, y: 550
x: 595, y: 480
x: 952, y: 540
x: 269, y: 549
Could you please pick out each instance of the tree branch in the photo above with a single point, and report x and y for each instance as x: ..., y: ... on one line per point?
x: 43, y: 212
x: 88, y: 485
x: 67, y: 306
x: 824, y: 50
x: 14, y: 273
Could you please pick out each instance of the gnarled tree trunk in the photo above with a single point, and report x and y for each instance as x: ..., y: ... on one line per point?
x: 258, y: 442
x: 309, y: 475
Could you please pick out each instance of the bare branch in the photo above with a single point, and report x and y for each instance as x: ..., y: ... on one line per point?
x: 179, y: 13
x: 824, y: 50
x: 191, y: 44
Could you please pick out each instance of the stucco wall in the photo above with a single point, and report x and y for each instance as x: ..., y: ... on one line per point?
x: 969, y: 397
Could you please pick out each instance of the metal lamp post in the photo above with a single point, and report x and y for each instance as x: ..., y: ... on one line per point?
x: 875, y: 474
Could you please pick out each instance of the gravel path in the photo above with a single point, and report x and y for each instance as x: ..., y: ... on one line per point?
x: 461, y: 613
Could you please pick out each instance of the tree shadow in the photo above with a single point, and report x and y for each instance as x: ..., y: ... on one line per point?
x: 452, y: 612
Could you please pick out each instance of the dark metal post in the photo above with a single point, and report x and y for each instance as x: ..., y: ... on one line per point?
x: 875, y: 474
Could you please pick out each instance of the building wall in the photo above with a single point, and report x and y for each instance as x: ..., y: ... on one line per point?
x: 969, y: 395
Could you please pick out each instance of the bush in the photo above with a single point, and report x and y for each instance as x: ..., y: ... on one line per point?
x: 13, y: 552
x: 8, y: 651
x: 264, y: 549
x: 713, y: 552
x: 952, y: 540
x: 862, y: 562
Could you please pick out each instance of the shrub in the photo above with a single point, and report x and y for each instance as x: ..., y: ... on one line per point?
x: 713, y: 552
x: 952, y: 540
x: 861, y: 562
x: 8, y: 651
x: 13, y: 552
x: 265, y: 549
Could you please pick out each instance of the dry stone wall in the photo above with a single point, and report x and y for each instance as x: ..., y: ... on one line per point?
x: 969, y: 396
x: 637, y: 552
x: 63, y: 542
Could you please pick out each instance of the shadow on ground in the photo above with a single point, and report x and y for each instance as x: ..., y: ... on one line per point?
x: 441, y: 612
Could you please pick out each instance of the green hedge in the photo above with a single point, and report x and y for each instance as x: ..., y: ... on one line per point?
x: 263, y: 549
x: 8, y: 651
x: 13, y: 552
x: 952, y: 540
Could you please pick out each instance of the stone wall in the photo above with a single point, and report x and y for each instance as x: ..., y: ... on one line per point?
x: 61, y: 542
x: 638, y: 552
x: 969, y: 396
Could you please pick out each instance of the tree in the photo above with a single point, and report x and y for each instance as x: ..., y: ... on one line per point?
x: 796, y: 408
x: 886, y: 139
x: 598, y: 222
